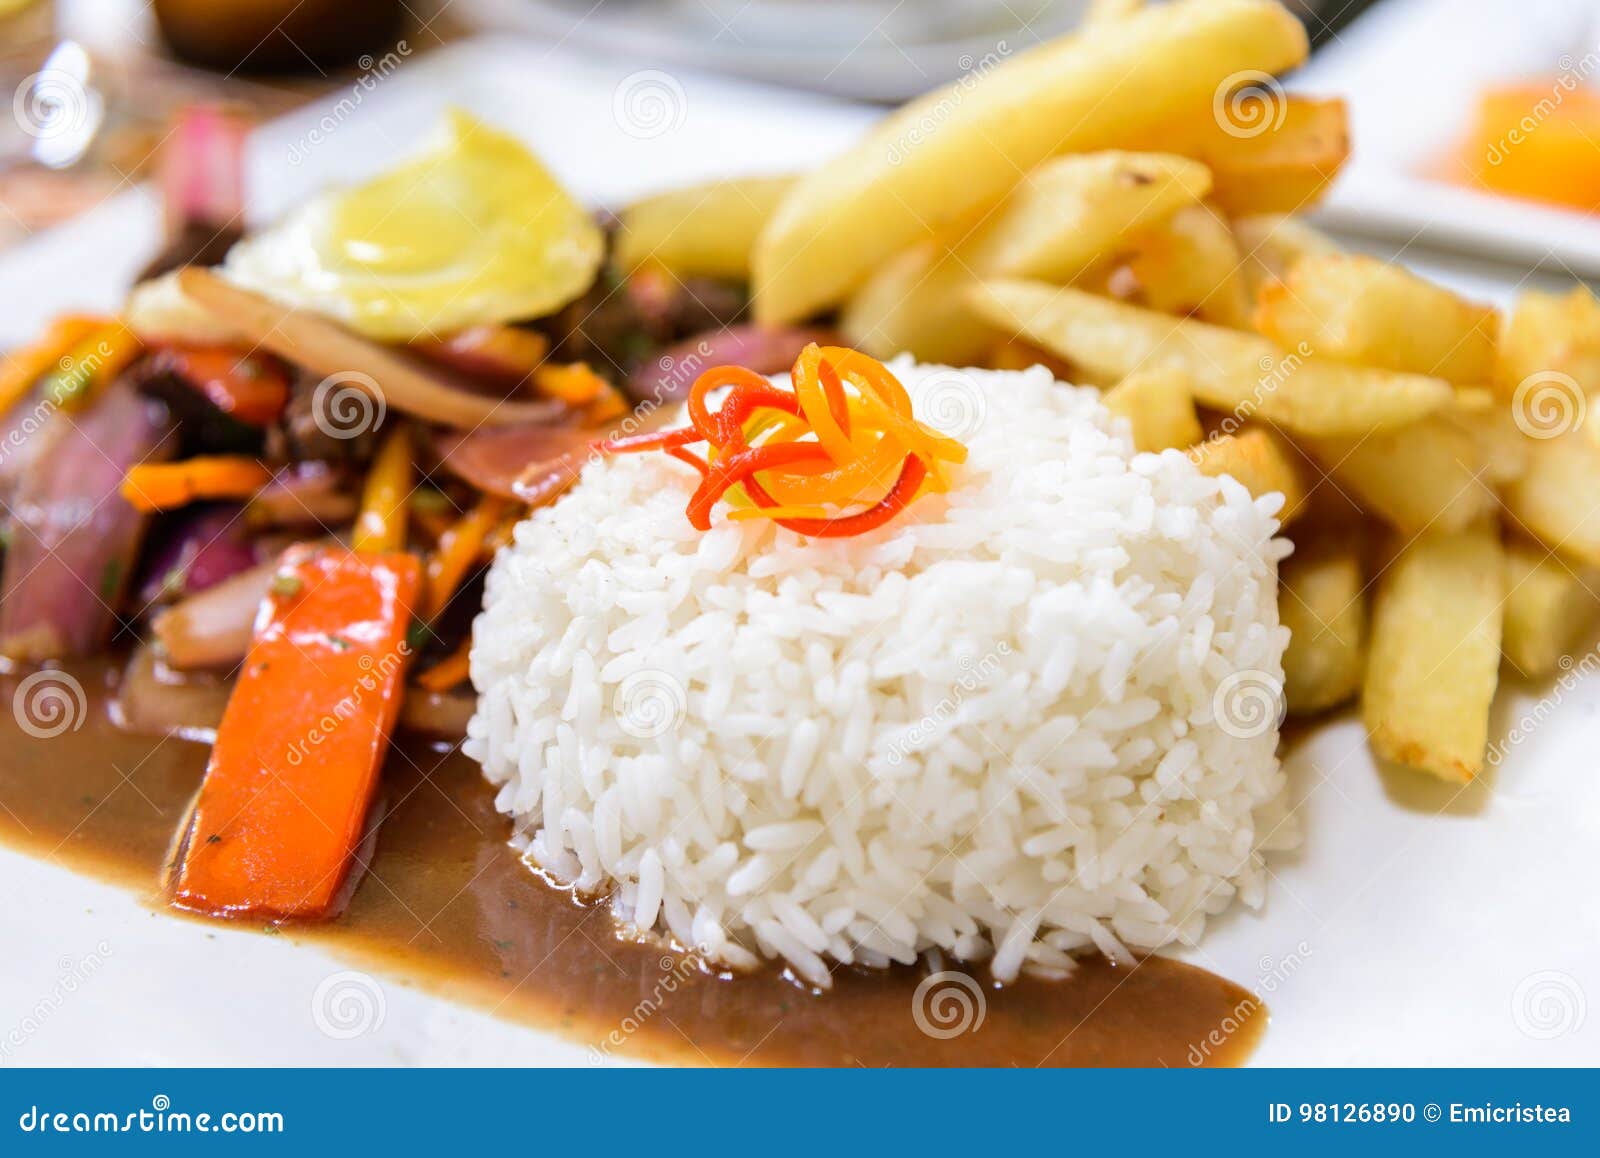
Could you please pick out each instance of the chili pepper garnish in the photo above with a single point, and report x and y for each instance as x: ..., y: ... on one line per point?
x: 838, y: 454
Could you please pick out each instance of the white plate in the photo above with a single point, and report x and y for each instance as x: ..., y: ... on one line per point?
x: 1411, y: 72
x: 1396, y: 936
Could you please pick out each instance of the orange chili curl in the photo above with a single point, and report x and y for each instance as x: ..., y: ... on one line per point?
x: 818, y: 445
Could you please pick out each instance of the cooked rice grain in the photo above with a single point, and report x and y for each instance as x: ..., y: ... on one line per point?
x: 1036, y: 715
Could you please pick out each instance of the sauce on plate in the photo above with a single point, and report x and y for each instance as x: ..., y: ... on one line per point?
x: 447, y: 904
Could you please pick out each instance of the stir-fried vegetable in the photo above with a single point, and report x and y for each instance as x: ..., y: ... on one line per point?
x: 74, y: 540
x: 284, y: 803
x: 325, y: 347
x: 247, y: 388
x: 459, y: 550
x: 381, y: 525
x: 213, y: 628
x: 448, y: 672
x: 504, y: 355
x: 162, y: 486
x: 92, y: 364
x: 303, y: 494
x: 23, y: 368
x: 500, y: 460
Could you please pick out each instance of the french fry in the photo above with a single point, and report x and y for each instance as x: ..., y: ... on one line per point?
x: 1323, y: 605
x: 1015, y: 355
x: 1358, y: 309
x: 707, y: 229
x: 1270, y: 243
x: 1261, y: 460
x: 1159, y: 406
x: 1064, y: 216
x: 1434, y: 657
x: 1270, y: 152
x: 1557, y: 499
x: 946, y: 157
x: 1547, y: 335
x: 1229, y: 370
x: 1549, y: 606
x: 1423, y: 475
x: 1502, y: 445
x: 1191, y: 266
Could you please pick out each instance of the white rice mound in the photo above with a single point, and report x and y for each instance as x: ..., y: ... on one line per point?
x: 1030, y: 717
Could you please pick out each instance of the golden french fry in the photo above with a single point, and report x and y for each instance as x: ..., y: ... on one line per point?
x: 1260, y: 459
x: 1270, y: 152
x: 1358, y: 309
x: 1191, y: 266
x: 1557, y: 498
x: 1549, y: 606
x: 1015, y: 355
x: 948, y: 156
x: 1229, y: 370
x: 1427, y: 474
x: 1064, y: 216
x: 1434, y: 657
x: 1270, y: 243
x: 1159, y: 406
x: 1323, y: 604
x: 707, y: 229
x: 1549, y: 338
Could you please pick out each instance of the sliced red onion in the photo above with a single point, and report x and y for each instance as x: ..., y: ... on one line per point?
x: 213, y: 628
x: 495, y: 458
x: 156, y: 700
x: 194, y: 549
x: 74, y: 539
x: 312, y: 493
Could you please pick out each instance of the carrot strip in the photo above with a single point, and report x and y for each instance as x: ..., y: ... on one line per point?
x: 22, y: 368
x: 163, y: 486
x: 459, y: 549
x: 91, y: 365
x: 251, y: 388
x: 381, y: 525
x: 573, y: 383
x: 283, y: 807
x: 448, y: 672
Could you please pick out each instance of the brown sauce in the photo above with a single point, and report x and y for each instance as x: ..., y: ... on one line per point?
x: 448, y: 905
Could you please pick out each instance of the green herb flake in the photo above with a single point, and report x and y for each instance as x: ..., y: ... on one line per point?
x: 286, y: 584
x: 110, y: 579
